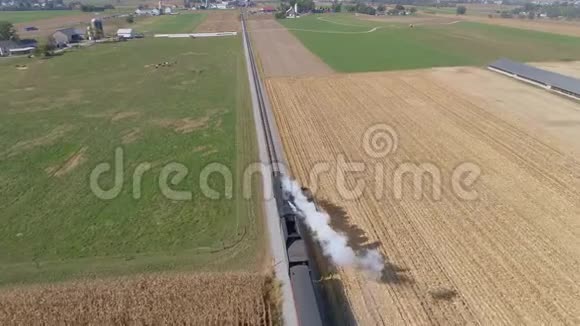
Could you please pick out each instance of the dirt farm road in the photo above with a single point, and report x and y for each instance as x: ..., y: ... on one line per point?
x: 281, y: 54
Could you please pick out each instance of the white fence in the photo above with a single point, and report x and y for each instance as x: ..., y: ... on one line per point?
x: 195, y: 35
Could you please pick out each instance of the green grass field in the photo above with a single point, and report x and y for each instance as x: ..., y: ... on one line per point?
x: 16, y: 17
x: 439, y: 10
x: 62, y: 116
x: 346, y: 44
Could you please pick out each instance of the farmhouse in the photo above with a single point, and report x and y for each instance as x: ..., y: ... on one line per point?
x: 125, y: 33
x: 62, y: 37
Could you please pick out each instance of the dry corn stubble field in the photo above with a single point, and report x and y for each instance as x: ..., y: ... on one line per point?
x: 537, y: 109
x: 509, y: 257
x: 571, y: 68
x: 179, y: 299
x: 281, y: 53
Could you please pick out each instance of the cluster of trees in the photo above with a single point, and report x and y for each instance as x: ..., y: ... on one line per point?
x: 567, y: 11
x: 359, y: 7
x: 7, y: 32
x: 554, y: 10
x: 461, y: 10
x: 47, y: 48
x: 362, y: 8
x: 399, y: 8
x: 336, y: 6
x: 532, y: 11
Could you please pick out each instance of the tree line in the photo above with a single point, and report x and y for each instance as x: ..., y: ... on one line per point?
x: 533, y: 11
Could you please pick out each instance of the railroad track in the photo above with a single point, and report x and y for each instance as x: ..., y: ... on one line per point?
x: 305, y: 297
x: 273, y: 156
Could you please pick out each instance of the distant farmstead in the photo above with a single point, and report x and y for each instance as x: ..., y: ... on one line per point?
x: 125, y: 33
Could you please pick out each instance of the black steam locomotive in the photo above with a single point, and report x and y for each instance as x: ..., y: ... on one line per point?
x: 294, y: 232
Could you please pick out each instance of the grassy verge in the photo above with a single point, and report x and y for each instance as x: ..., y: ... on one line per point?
x: 65, y: 115
x: 350, y: 45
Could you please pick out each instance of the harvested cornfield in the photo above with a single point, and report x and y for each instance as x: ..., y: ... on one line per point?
x: 569, y: 68
x: 181, y: 299
x: 493, y: 235
x: 220, y: 21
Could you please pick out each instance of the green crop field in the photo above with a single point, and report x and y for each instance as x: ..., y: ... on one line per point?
x: 16, y: 17
x: 472, y: 9
x: 62, y: 117
x: 351, y: 45
x: 439, y: 10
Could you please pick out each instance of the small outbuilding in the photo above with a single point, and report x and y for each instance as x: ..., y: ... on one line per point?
x: 125, y: 33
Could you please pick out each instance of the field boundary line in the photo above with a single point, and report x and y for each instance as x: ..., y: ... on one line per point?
x: 335, y: 32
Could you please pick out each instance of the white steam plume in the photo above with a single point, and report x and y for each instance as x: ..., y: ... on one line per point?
x: 334, y: 244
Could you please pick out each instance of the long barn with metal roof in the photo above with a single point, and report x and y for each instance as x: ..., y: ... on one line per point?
x: 550, y: 80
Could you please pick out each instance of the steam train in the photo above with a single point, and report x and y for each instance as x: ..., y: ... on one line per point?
x: 294, y: 233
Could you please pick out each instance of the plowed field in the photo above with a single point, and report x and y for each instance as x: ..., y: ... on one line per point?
x: 220, y: 21
x: 509, y: 255
x: 281, y: 53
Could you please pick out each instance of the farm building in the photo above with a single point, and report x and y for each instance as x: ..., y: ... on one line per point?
x: 562, y: 84
x: 147, y: 12
x: 62, y: 37
x: 125, y: 33
x: 16, y: 48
